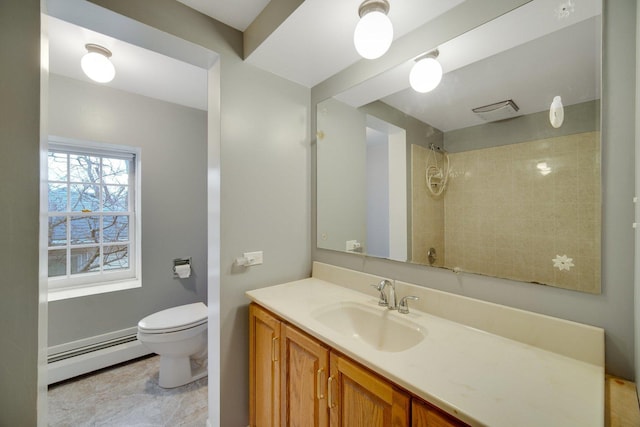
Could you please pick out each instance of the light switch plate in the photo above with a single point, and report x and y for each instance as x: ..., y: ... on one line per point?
x: 254, y: 258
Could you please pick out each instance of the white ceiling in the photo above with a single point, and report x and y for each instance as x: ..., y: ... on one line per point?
x: 312, y: 44
x: 528, y: 74
x: 235, y: 13
x: 529, y: 55
x: 138, y: 70
x: 316, y: 41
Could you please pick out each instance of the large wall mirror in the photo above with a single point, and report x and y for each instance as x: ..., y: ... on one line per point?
x: 499, y: 191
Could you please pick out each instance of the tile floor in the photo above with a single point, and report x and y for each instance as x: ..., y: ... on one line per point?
x: 127, y: 395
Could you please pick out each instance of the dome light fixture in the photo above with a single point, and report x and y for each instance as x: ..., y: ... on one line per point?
x: 96, y: 65
x: 426, y: 73
x: 374, y: 32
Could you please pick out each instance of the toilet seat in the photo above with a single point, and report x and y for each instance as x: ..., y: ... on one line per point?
x: 173, y: 336
x: 174, y: 319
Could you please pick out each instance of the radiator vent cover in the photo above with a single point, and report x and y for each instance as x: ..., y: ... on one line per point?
x: 90, y: 348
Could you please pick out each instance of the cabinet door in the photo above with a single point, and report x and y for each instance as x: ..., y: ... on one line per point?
x: 304, y: 370
x: 264, y: 368
x: 359, y: 398
x: 425, y: 415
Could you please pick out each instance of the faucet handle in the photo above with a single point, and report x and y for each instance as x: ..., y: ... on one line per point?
x: 383, y: 297
x: 403, y: 307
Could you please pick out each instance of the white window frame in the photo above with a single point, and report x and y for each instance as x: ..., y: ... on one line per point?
x: 64, y: 287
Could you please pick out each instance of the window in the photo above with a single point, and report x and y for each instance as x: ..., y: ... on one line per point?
x: 92, y: 216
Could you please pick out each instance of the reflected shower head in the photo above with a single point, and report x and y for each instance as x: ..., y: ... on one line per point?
x: 435, y: 147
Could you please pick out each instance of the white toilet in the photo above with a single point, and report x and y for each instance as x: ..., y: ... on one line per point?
x: 179, y: 336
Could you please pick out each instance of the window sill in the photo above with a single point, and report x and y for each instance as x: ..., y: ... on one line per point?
x: 83, y: 291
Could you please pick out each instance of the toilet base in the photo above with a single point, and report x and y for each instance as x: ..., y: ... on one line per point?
x: 177, y: 371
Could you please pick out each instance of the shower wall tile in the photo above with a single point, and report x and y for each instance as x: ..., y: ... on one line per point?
x: 427, y: 213
x: 510, y: 210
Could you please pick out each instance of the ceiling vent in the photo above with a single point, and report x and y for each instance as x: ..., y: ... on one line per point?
x: 498, y: 111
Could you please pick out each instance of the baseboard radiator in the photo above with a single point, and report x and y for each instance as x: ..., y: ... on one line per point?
x: 80, y: 357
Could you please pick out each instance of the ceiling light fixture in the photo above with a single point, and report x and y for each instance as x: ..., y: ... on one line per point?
x: 426, y: 73
x: 96, y: 65
x: 374, y: 32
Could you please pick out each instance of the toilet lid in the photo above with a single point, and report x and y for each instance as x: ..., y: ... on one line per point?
x: 174, y: 319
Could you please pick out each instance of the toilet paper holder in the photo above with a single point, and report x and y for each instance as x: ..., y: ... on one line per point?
x: 182, y: 268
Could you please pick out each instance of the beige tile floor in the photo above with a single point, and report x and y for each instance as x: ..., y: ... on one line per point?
x: 127, y: 395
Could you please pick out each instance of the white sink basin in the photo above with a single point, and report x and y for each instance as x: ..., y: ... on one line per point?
x: 379, y: 328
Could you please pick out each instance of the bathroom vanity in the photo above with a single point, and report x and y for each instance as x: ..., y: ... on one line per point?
x: 323, y: 352
x: 289, y: 369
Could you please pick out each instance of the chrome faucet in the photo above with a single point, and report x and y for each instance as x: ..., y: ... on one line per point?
x: 384, y: 301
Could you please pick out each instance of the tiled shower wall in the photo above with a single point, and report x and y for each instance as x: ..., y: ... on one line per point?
x: 528, y: 211
x: 427, y: 212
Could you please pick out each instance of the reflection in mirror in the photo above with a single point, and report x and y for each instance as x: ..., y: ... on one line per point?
x: 422, y: 178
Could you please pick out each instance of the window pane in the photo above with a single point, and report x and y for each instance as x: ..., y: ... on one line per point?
x: 85, y: 229
x: 116, y: 257
x: 57, y: 231
x: 84, y: 242
x: 57, y: 262
x: 85, y: 260
x: 57, y: 197
x: 115, y: 228
x: 116, y: 198
x: 57, y: 166
x: 85, y: 197
x: 115, y: 171
x: 84, y: 168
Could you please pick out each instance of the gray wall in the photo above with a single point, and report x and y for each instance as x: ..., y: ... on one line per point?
x: 173, y: 140
x: 19, y: 210
x: 265, y: 181
x: 637, y: 213
x: 613, y: 310
x: 265, y: 192
x: 342, y: 152
x: 265, y: 157
x: 377, y: 191
x: 578, y: 118
x: 417, y: 133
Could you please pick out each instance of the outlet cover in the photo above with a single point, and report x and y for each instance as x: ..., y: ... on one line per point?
x: 353, y: 245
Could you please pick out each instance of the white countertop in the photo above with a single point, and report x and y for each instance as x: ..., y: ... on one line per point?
x: 480, y: 378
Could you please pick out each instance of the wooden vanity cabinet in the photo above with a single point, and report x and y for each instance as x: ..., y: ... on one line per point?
x: 304, y: 372
x: 357, y: 397
x: 264, y: 368
x: 426, y: 415
x: 296, y: 380
x: 288, y: 373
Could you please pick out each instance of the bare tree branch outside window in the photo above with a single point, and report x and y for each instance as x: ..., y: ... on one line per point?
x: 89, y: 213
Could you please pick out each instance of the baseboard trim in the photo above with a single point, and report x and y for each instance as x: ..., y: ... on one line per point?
x: 88, y: 362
